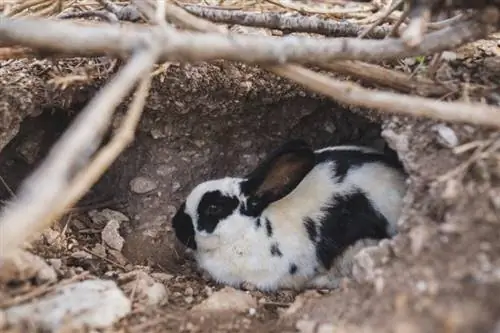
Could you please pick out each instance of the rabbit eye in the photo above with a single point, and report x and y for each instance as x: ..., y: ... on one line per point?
x: 213, y: 209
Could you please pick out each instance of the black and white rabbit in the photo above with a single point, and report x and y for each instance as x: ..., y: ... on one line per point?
x: 294, y: 219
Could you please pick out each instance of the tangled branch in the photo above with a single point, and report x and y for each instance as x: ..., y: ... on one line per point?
x: 63, y: 38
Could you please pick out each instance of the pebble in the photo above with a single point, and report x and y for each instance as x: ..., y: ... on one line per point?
x: 23, y: 265
x: 91, y: 304
x: 50, y: 235
x: 446, y: 136
x: 144, y: 287
x: 110, y: 235
x: 81, y: 255
x: 366, y: 260
x: 419, y: 236
x: 141, y: 185
x: 55, y: 263
x: 162, y: 277
x: 189, y: 291
x: 102, y: 217
x: 227, y: 299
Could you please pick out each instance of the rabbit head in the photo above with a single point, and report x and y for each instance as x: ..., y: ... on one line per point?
x: 219, y: 211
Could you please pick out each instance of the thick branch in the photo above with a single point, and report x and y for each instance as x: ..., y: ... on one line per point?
x: 352, y: 94
x: 281, y: 21
x: 71, y: 39
x: 388, y: 78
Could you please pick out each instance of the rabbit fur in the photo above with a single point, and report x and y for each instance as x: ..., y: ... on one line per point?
x: 296, y: 220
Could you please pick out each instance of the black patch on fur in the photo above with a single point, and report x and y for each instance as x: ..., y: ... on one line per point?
x: 183, y: 227
x: 269, y: 228
x: 312, y: 232
x: 293, y: 269
x: 275, y: 250
x: 346, y: 160
x: 258, y: 223
x: 213, y: 207
x: 350, y: 219
x: 253, y: 208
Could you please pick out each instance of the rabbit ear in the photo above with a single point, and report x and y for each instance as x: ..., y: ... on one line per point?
x: 279, y: 173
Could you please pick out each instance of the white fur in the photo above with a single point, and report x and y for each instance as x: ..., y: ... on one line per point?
x: 238, y: 252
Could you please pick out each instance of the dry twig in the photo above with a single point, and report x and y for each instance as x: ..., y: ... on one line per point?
x: 282, y: 21
x: 71, y: 39
x: 388, y: 78
x: 352, y: 94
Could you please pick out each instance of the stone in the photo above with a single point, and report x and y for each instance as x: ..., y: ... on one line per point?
x: 419, y: 236
x: 162, y: 277
x: 142, y: 185
x: 144, y: 287
x: 367, y: 259
x: 81, y: 255
x: 50, y: 236
x: 446, y: 136
x: 227, y: 299
x: 102, y: 217
x: 110, y: 235
x: 94, y: 304
x: 23, y: 265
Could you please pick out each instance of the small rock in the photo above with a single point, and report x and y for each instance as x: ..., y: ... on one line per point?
x: 449, y: 56
x: 22, y: 265
x: 452, y: 227
x: 144, y: 287
x: 99, y: 249
x: 227, y: 299
x: 55, y: 263
x: 95, y: 304
x: 111, y: 236
x: 446, y: 136
x: 451, y: 191
x: 50, y: 235
x: 176, y: 186
x: 157, y: 133
x: 189, y: 291
x: 81, y: 255
x: 365, y: 261
x: 419, y: 236
x: 101, y: 218
x: 189, y: 299
x: 379, y: 284
x: 162, y: 277
x: 118, y: 257
x: 397, y: 141
x: 141, y: 185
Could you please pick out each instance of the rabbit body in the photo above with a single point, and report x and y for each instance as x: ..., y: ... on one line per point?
x: 297, y: 220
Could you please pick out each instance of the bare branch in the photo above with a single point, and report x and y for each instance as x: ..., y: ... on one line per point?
x: 68, y: 38
x: 388, y: 78
x: 282, y: 21
x: 353, y: 94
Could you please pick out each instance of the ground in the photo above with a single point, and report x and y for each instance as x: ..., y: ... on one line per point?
x: 440, y: 274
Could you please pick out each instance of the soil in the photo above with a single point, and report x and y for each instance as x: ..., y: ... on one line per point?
x: 441, y: 273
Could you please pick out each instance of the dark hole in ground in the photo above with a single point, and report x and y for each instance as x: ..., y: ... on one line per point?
x: 176, y: 151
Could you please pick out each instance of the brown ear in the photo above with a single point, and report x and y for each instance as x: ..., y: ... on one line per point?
x: 280, y: 173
